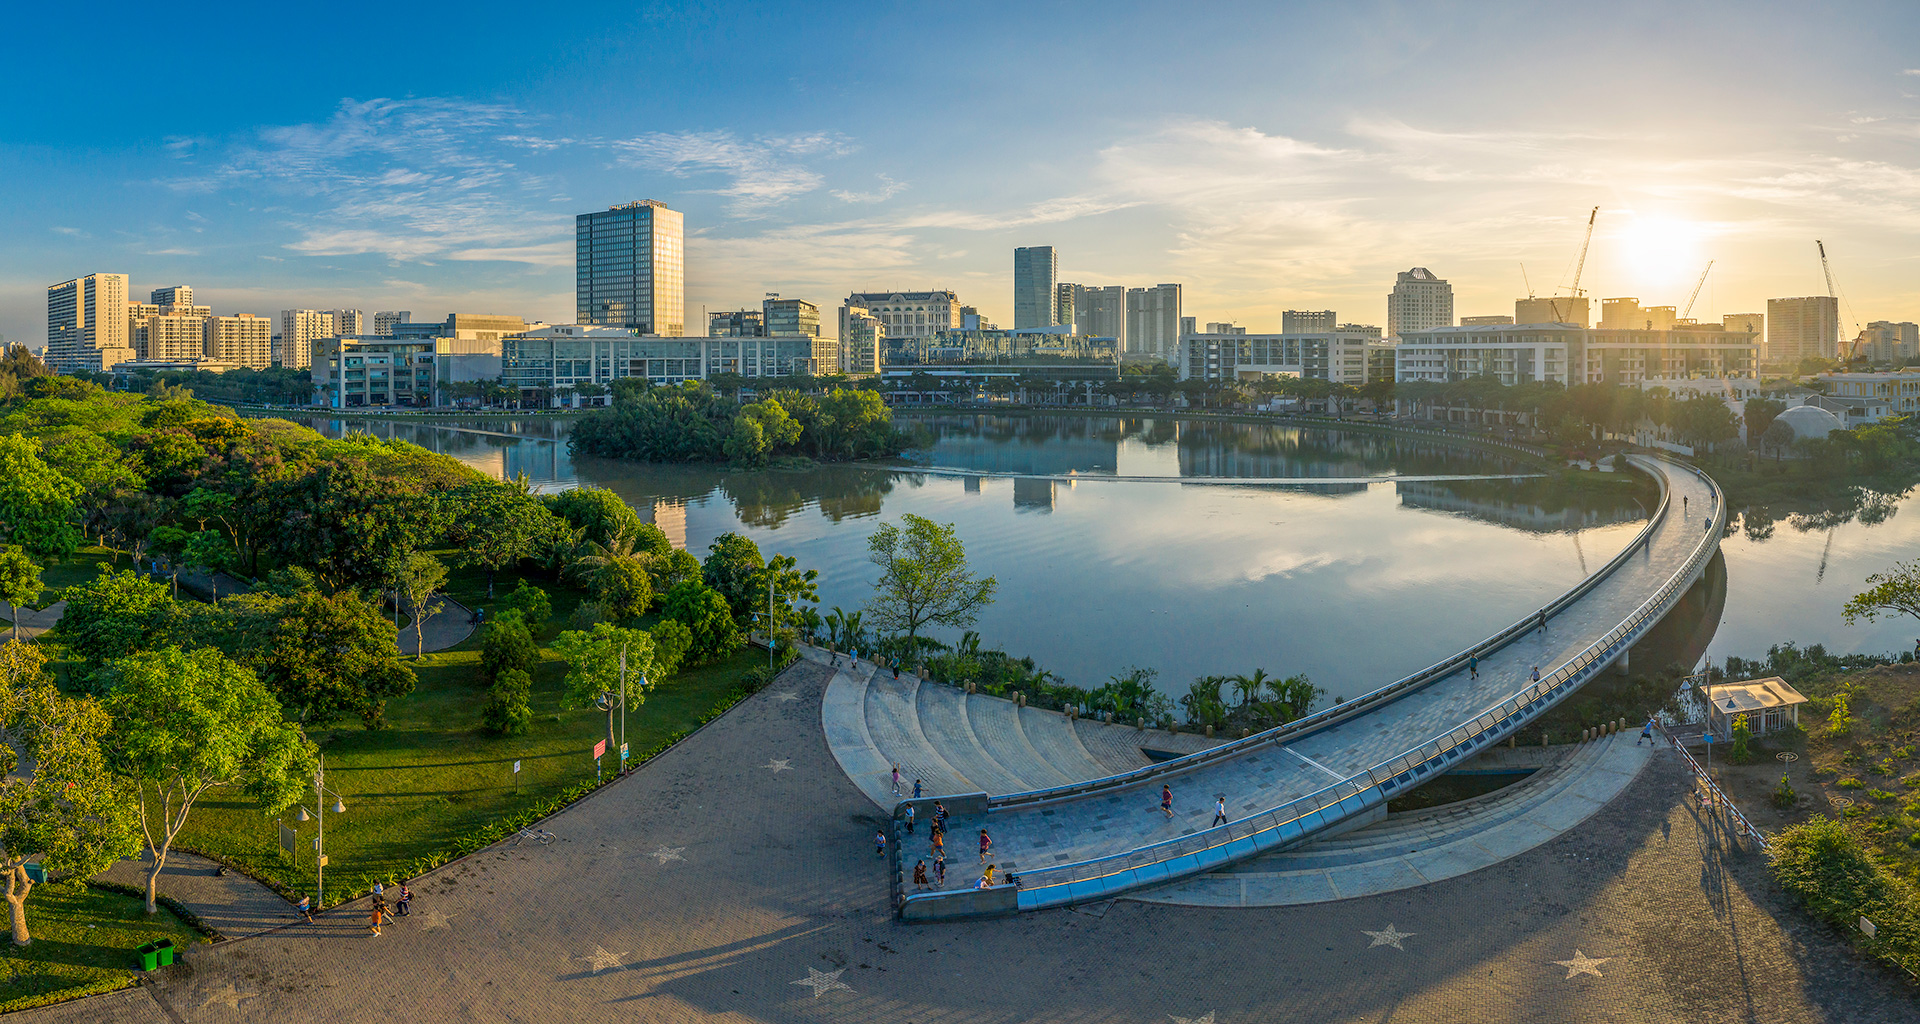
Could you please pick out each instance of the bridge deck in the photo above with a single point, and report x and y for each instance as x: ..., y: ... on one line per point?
x: 1115, y: 821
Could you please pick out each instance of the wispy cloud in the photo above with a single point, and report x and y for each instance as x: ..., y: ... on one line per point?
x: 887, y: 190
x: 173, y: 252
x: 762, y: 172
x: 70, y: 232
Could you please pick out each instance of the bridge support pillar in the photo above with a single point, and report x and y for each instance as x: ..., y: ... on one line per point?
x: 1620, y: 664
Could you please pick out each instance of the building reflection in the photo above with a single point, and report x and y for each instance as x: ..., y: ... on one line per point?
x: 1522, y: 505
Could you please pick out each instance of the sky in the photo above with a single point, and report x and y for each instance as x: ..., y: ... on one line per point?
x: 1266, y: 156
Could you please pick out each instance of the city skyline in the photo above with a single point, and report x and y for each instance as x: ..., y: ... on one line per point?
x: 1306, y: 190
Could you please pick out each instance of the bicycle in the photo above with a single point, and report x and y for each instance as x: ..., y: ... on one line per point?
x: 538, y: 835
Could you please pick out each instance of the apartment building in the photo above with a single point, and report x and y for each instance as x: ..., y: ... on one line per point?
x: 1419, y: 301
x: 1801, y: 327
x: 299, y: 329
x: 1223, y: 352
x: 1153, y: 321
x: 1562, y: 353
x: 242, y: 339
x: 87, y: 323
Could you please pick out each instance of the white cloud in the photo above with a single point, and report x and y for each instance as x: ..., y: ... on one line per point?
x: 762, y: 172
x: 71, y: 232
x: 887, y: 190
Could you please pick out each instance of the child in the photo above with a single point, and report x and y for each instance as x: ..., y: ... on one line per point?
x: 880, y: 842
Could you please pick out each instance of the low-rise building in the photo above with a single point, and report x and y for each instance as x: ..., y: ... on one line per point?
x: 1899, y: 390
x: 1224, y: 352
x: 1565, y: 354
x: 371, y: 371
x: 547, y: 361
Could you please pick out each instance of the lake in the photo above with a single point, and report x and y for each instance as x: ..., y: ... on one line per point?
x: 1152, y: 545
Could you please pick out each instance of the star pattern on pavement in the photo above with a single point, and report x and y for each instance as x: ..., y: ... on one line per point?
x: 435, y: 919
x: 667, y: 853
x: 227, y: 996
x: 1390, y: 937
x: 601, y: 960
x: 779, y: 764
x: 823, y: 981
x: 1208, y: 1019
x: 1583, y: 964
x: 789, y: 695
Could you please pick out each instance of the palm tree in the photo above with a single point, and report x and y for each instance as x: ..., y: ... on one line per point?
x: 1249, y: 687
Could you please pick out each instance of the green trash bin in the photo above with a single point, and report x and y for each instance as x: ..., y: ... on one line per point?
x: 149, y: 956
x: 165, y: 948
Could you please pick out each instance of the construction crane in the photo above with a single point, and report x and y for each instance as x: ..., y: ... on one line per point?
x: 1833, y: 293
x: 1579, y: 267
x: 1697, y: 285
x: 1526, y: 281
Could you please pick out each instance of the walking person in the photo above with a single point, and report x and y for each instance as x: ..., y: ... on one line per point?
x: 1543, y: 620
x: 403, y: 906
x: 909, y: 819
x: 1219, y: 811
x: 896, y: 780
x: 939, y: 844
x: 306, y: 908
x: 880, y: 842
x: 920, y: 875
x: 916, y: 789
x: 986, y: 845
x: 379, y: 914
x: 940, y: 871
x: 1166, y: 801
x: 1473, y: 667
x: 896, y: 667
x: 940, y: 815
x: 1536, y: 673
x: 1646, y: 733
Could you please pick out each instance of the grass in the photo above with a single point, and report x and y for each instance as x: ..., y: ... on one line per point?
x: 79, y: 567
x: 83, y: 943
x: 416, y: 789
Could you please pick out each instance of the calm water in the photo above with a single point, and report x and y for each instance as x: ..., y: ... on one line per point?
x: 1356, y: 581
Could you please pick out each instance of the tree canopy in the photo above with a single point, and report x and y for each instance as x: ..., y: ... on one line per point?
x: 924, y: 579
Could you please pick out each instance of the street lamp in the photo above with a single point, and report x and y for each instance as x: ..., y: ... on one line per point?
x: 608, y: 699
x: 320, y: 839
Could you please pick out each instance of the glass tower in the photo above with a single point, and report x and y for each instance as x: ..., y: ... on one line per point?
x: 1036, y: 275
x: 630, y: 269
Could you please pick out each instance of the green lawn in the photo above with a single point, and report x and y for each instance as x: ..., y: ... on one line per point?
x: 83, y: 942
x: 435, y: 776
x: 78, y: 567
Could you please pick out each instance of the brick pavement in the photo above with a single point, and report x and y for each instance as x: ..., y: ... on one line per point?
x: 735, y: 866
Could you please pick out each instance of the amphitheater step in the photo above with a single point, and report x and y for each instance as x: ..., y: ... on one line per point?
x: 894, y: 723
x: 943, y: 721
x: 1053, y: 737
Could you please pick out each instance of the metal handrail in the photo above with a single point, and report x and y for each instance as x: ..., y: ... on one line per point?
x: 1720, y: 797
x: 1599, y: 653
x: 1341, y: 712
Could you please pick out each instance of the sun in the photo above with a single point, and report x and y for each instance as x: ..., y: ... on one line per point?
x: 1656, y: 257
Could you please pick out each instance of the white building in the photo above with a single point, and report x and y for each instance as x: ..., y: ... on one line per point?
x: 1419, y: 301
x: 1889, y: 342
x: 242, y: 339
x: 350, y: 323
x: 87, y: 323
x: 551, y: 359
x: 863, y: 341
x: 1229, y: 353
x: 383, y: 321
x: 1153, y: 321
x: 1801, y: 327
x: 910, y: 314
x: 1565, y: 354
x: 1900, y: 389
x: 299, y: 329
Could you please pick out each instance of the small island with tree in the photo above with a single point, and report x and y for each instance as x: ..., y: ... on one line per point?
x: 694, y: 423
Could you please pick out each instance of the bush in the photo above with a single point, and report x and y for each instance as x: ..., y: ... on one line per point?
x: 1783, y: 794
x: 1851, y: 783
x: 507, y: 646
x: 624, y: 589
x: 713, y: 633
x: 1827, y: 866
x: 671, y: 640
x: 586, y: 615
x: 506, y: 712
x: 531, y: 602
x: 1879, y: 794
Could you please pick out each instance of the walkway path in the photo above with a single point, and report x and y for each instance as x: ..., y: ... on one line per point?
x: 731, y: 879
x: 232, y: 904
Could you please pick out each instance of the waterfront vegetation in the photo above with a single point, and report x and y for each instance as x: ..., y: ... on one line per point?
x: 694, y: 422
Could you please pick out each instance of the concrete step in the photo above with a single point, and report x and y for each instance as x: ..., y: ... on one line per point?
x: 996, y: 724
x: 943, y: 720
x: 1053, y: 736
x: 894, y: 723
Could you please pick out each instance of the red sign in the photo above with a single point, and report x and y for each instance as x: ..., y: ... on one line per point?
x: 599, y: 749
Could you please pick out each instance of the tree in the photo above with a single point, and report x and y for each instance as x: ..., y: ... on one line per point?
x: 187, y: 722
x: 1895, y: 591
x: 209, y: 550
x: 506, y: 645
x: 507, y: 711
x: 1759, y: 414
x: 64, y: 809
x: 733, y: 568
x: 351, y: 526
x: 498, y: 525
x: 37, y: 503
x: 117, y: 613
x: 671, y: 642
x: 19, y: 582
x: 600, y: 511
x: 624, y: 589
x: 419, y: 575
x: 709, y: 621
x: 924, y: 580
x: 594, y: 667
x: 1249, y: 687
x: 325, y: 656
x: 532, y: 602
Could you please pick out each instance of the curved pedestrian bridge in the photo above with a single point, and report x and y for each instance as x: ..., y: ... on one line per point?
x: 1073, y: 808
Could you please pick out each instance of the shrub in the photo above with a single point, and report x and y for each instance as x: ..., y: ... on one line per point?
x: 1851, y: 783
x: 623, y: 589
x: 1783, y: 794
x: 506, y: 712
x: 1879, y: 794
x: 1827, y: 866
x: 531, y: 602
x: 507, y: 646
x: 1840, y: 723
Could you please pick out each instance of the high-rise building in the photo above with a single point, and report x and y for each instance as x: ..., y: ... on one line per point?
x: 244, y: 339
x: 1889, y: 342
x: 1153, y: 320
x: 1419, y: 301
x: 349, y: 323
x: 383, y: 321
x: 1067, y: 297
x: 790, y: 318
x: 863, y: 340
x: 1307, y: 321
x: 87, y: 323
x: 1036, y: 272
x: 1552, y: 309
x: 737, y: 323
x: 1801, y: 327
x: 1627, y: 314
x: 1747, y: 323
x: 911, y: 314
x: 174, y: 337
x: 173, y: 295
x: 299, y: 329
x: 630, y: 268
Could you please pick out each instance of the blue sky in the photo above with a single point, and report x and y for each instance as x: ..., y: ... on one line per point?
x: 1267, y: 156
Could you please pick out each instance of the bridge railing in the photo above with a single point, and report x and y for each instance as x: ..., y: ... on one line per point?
x: 1326, y: 717
x: 1067, y: 883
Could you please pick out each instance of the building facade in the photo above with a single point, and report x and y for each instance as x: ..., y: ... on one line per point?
x: 1308, y: 321
x: 1801, y: 327
x: 863, y: 340
x: 737, y: 323
x: 383, y: 321
x: 548, y: 360
x: 1889, y: 342
x: 630, y: 269
x: 1236, y: 355
x: 299, y: 329
x: 1036, y: 273
x: 790, y: 318
x: 910, y: 314
x: 1550, y: 309
x: 242, y: 339
x: 87, y: 323
x: 1564, y: 354
x: 1484, y: 321
x: 1899, y: 390
x: 1153, y: 321
x: 1098, y: 311
x: 172, y: 295
x: 1748, y: 323
x: 1419, y: 301
x: 370, y: 371
x: 1627, y: 314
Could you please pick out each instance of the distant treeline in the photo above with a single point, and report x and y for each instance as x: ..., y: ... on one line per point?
x: 693, y: 423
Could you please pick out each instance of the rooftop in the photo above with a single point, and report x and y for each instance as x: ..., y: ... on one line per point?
x: 1750, y: 695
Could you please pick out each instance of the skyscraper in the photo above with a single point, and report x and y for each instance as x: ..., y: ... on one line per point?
x: 87, y: 323
x: 1802, y: 327
x: 630, y: 268
x: 1308, y: 321
x: 299, y: 329
x: 349, y: 323
x: 384, y: 320
x: 1153, y: 320
x: 1419, y: 301
x: 173, y: 295
x: 1036, y: 272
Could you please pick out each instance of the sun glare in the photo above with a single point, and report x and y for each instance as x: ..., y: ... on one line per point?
x: 1657, y: 258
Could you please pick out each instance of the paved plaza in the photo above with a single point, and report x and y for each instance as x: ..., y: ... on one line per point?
x: 733, y: 878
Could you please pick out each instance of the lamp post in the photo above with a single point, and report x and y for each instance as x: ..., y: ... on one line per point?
x: 607, y: 701
x: 320, y: 839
